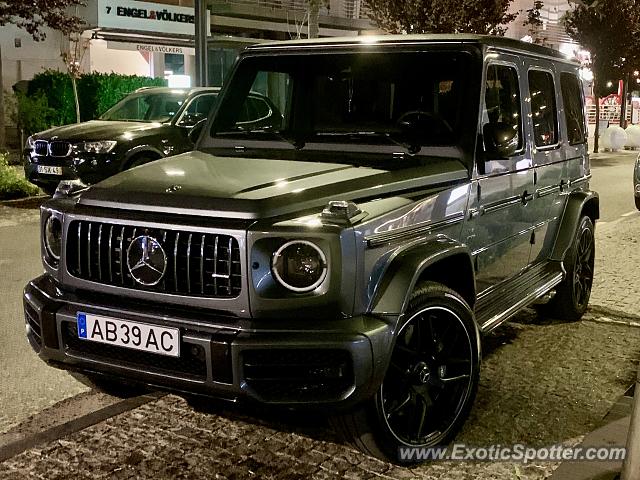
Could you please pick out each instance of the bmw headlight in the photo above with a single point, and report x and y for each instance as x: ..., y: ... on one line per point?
x: 299, y: 265
x: 53, y: 238
x: 104, y: 146
x: 30, y: 144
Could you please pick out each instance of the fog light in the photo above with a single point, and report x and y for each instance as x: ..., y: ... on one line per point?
x: 53, y: 237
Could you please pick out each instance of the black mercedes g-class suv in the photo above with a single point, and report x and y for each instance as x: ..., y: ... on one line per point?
x: 419, y: 191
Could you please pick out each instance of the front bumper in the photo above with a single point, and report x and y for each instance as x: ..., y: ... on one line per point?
x: 336, y: 364
x: 90, y: 168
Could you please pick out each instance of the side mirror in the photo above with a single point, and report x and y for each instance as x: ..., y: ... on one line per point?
x: 500, y: 140
x: 196, y: 130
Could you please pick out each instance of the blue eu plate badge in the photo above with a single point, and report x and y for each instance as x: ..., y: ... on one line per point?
x: 82, y: 325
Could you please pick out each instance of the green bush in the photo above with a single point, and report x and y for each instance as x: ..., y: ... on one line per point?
x: 56, y: 87
x: 34, y: 113
x: 12, y: 184
x: 100, y: 91
x: 51, y: 92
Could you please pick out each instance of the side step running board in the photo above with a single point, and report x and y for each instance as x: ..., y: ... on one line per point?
x: 506, y: 299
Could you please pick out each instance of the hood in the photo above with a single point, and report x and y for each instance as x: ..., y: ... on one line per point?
x: 94, y: 130
x: 197, y: 183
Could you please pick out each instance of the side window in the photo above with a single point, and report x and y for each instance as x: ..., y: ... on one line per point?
x: 502, y: 102
x: 543, y: 108
x: 573, y: 107
x: 198, y: 109
x: 268, y: 88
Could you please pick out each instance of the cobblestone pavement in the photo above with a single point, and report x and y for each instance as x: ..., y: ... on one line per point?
x: 617, y: 283
x: 542, y: 383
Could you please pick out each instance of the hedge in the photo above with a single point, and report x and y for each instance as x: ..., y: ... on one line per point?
x: 12, y: 184
x: 97, y: 93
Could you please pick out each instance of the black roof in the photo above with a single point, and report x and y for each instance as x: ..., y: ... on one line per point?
x: 502, y: 43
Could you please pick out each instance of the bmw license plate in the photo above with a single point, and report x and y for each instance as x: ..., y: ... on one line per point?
x: 128, y: 334
x: 49, y: 170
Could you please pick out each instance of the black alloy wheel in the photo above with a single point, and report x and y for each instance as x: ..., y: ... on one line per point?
x: 431, y: 381
x: 572, y: 295
x: 429, y: 377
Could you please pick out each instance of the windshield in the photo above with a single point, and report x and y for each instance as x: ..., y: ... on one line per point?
x: 405, y: 99
x: 147, y: 107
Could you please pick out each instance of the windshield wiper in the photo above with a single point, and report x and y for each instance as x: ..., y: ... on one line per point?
x: 412, y: 148
x: 297, y: 143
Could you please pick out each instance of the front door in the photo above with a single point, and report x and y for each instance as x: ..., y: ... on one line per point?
x: 499, y: 228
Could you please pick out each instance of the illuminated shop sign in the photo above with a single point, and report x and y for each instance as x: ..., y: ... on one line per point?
x: 145, y: 16
x: 151, y: 48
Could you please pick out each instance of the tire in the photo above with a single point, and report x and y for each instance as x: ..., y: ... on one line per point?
x: 422, y: 401
x: 637, y: 199
x: 106, y: 385
x: 572, y: 295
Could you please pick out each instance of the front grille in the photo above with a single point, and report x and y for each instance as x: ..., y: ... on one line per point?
x: 55, y: 148
x: 298, y: 375
x: 190, y: 363
x: 41, y: 147
x: 59, y: 149
x: 197, y: 264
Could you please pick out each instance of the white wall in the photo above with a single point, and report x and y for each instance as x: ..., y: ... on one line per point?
x: 22, y: 63
x: 107, y: 60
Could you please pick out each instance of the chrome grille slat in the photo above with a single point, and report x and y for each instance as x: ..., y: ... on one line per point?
x: 175, y: 262
x: 229, y: 264
x: 202, y: 263
x: 111, y: 253
x: 215, y: 268
x: 80, y: 249
x: 122, y: 256
x: 100, y: 252
x: 189, y: 263
x: 192, y: 268
x: 89, y: 250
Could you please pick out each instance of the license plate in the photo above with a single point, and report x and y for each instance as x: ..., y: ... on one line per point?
x: 49, y: 170
x: 128, y: 334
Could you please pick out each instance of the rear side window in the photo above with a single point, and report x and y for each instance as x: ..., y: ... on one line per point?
x: 573, y: 107
x: 502, y: 99
x: 543, y: 108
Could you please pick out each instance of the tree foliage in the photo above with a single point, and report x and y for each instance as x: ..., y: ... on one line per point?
x: 34, y: 15
x: 441, y: 16
x: 609, y: 30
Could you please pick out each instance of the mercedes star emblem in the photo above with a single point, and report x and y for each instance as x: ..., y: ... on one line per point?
x: 146, y: 260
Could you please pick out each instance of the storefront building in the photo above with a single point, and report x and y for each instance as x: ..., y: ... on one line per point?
x: 156, y: 39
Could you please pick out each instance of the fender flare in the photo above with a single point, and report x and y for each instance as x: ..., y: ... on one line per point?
x: 578, y: 203
x: 392, y: 292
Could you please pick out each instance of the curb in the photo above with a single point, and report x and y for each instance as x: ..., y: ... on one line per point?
x: 27, y: 202
x: 57, y: 422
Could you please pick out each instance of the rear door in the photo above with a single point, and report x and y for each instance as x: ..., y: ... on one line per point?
x: 556, y: 152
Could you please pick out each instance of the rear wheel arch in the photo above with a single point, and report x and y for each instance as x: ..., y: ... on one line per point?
x: 579, y: 204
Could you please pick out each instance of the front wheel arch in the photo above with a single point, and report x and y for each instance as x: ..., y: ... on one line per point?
x: 138, y: 154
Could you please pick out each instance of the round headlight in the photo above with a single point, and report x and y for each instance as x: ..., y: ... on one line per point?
x: 299, y: 265
x: 53, y: 237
